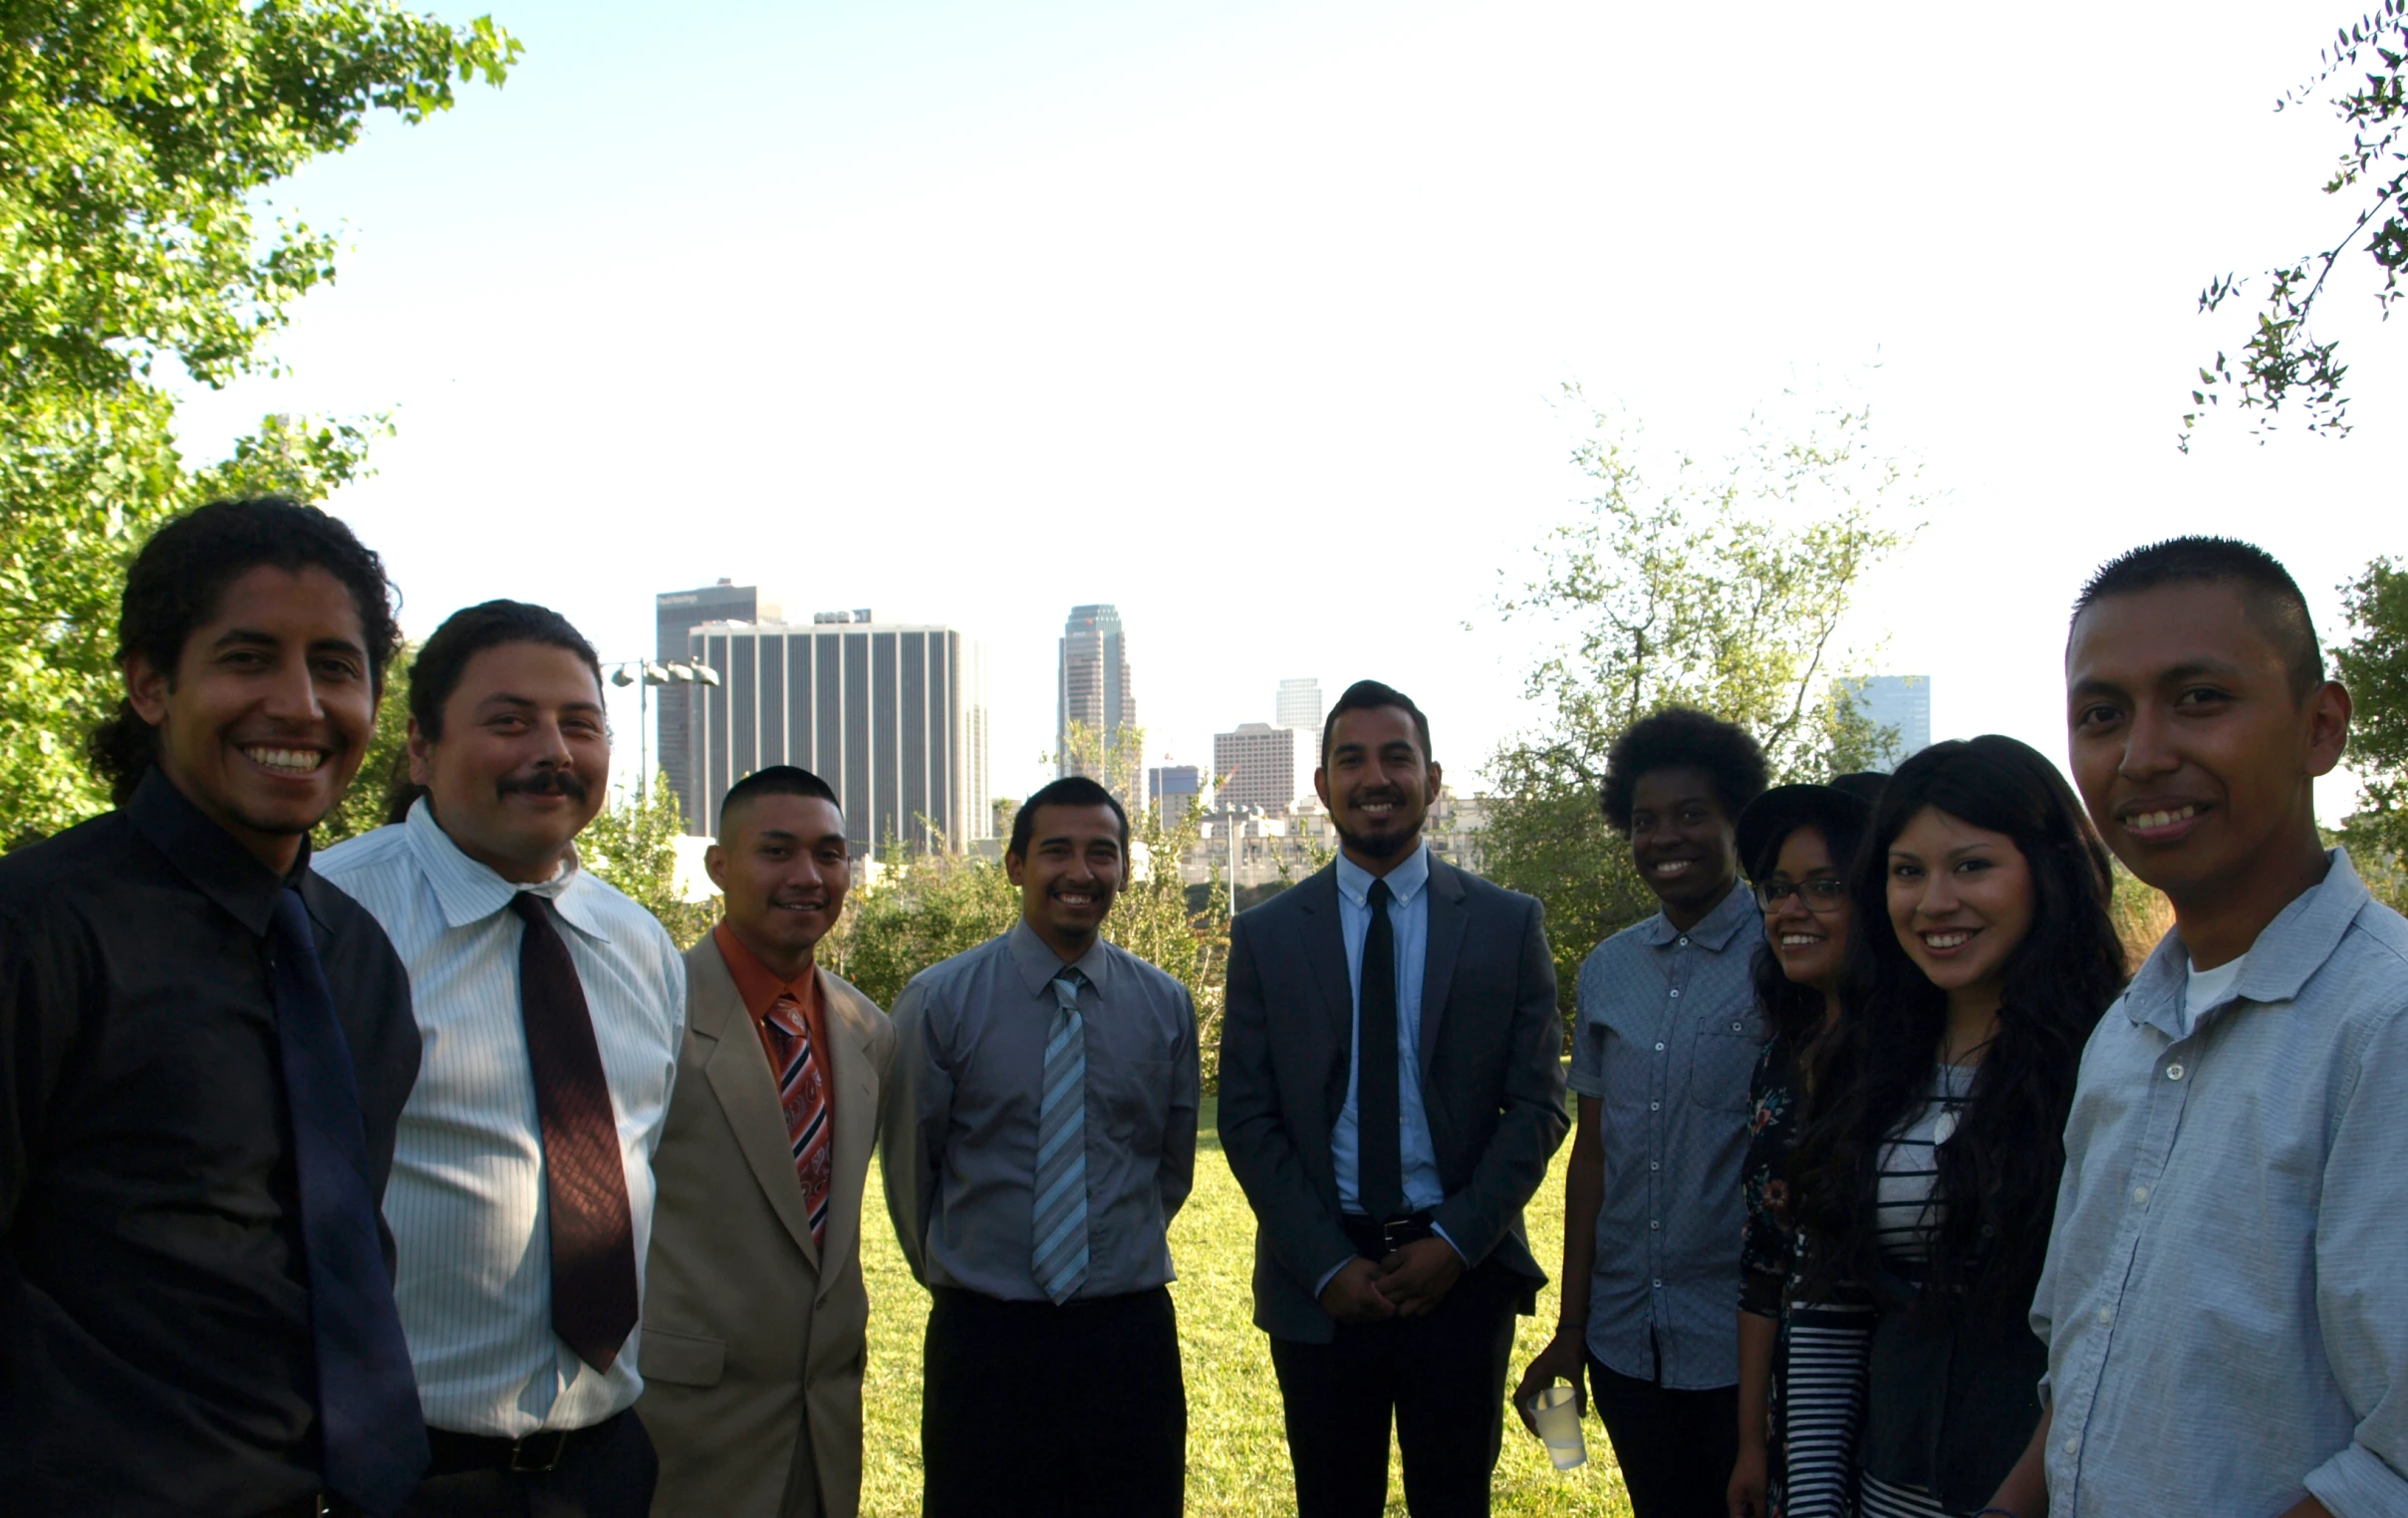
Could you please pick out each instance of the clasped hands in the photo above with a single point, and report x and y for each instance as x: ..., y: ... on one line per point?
x: 1407, y: 1284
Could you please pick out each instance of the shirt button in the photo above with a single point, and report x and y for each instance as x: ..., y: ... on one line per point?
x: 1655, y: 1107
x: 1652, y: 1223
x: 1684, y: 943
x: 1654, y: 1164
x: 1658, y: 1285
x: 2106, y: 1315
x: 1676, y: 990
x: 2074, y: 1445
x: 1659, y: 1048
x: 2141, y: 1195
x: 2173, y: 1072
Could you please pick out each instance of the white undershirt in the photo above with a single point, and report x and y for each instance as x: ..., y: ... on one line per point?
x: 2207, y: 989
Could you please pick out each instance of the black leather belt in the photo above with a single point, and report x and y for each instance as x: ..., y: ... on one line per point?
x: 534, y: 1455
x: 1379, y: 1240
x: 315, y: 1505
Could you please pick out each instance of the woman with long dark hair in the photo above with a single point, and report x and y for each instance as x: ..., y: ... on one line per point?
x: 1800, y: 1363
x: 1928, y: 1176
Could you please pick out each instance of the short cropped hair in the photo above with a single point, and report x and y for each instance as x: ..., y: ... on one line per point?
x: 1681, y: 737
x: 1069, y: 791
x: 777, y: 780
x: 177, y: 580
x: 2266, y: 587
x: 444, y: 659
x: 1368, y: 696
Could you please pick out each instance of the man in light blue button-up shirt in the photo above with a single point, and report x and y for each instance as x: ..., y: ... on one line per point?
x: 2224, y: 1304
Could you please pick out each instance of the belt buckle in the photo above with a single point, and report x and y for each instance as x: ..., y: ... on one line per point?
x: 1389, y: 1241
x: 524, y: 1462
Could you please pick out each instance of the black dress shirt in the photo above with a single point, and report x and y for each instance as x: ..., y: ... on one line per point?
x: 154, y: 1317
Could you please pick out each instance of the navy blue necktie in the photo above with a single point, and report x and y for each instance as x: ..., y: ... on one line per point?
x: 1379, y: 1105
x: 374, y: 1436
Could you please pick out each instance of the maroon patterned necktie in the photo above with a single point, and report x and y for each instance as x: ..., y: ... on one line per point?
x: 802, y: 1094
x: 584, y: 1183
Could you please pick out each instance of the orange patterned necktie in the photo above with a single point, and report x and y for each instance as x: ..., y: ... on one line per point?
x: 802, y: 1090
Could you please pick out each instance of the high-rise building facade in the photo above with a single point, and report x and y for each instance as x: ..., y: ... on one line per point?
x: 678, y: 612
x: 1264, y: 765
x: 1171, y: 787
x: 1901, y: 703
x: 1299, y: 704
x: 892, y: 715
x: 1092, y: 687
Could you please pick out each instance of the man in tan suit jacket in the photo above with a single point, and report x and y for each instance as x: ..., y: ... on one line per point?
x: 754, y: 1313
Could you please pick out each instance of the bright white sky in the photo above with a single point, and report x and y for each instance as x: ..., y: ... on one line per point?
x: 1249, y: 318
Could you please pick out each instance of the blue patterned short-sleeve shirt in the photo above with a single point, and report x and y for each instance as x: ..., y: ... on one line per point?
x: 1666, y: 1038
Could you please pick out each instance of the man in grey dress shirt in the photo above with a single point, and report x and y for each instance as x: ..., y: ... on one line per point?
x: 1666, y: 1040
x: 2224, y: 1304
x: 1037, y: 1137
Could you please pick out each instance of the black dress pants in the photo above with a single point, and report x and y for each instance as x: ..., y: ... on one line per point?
x: 1070, y: 1412
x: 1442, y: 1379
x: 608, y: 1472
x: 1676, y: 1448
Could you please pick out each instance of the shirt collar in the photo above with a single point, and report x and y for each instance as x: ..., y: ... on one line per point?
x: 1038, y: 965
x: 756, y: 983
x: 1405, y: 880
x: 1715, y: 929
x: 2288, y: 951
x: 206, y: 854
x: 468, y: 892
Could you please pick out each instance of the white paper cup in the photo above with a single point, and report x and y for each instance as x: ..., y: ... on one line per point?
x: 1558, y: 1421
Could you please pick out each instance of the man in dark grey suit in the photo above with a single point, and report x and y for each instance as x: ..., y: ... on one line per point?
x: 1391, y: 1092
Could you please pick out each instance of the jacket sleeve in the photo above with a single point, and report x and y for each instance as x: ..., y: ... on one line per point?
x: 1531, y: 1120
x: 1302, y: 1234
x: 915, y: 1113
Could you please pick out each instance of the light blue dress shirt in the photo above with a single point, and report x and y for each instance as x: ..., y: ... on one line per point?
x: 470, y: 1226
x: 2225, y: 1303
x: 1408, y: 925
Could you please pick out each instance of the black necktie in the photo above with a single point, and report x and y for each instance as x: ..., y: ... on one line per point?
x: 372, y: 1435
x: 1380, y: 1173
x: 585, y: 1180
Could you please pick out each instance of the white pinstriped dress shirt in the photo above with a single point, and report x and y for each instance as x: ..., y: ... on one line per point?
x: 466, y: 1199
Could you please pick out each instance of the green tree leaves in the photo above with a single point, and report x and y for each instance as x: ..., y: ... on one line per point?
x: 2375, y: 665
x: 1715, y: 584
x: 135, y: 138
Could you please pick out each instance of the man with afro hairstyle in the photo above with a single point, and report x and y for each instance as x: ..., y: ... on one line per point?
x: 1665, y: 1040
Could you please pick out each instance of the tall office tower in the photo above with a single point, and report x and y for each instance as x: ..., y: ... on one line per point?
x: 1093, y: 684
x: 676, y: 613
x: 1899, y: 701
x: 892, y: 715
x: 1264, y: 765
x: 1299, y: 704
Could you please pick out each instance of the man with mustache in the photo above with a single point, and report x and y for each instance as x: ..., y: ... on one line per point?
x: 1038, y: 1138
x: 755, y: 1318
x: 1390, y: 1097
x: 552, y: 1008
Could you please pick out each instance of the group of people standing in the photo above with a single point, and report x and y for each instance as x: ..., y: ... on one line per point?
x: 424, y: 1175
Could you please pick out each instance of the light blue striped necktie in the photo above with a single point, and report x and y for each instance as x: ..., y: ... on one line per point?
x: 1060, y: 1258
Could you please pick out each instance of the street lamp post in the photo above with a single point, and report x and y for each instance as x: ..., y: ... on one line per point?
x: 643, y: 675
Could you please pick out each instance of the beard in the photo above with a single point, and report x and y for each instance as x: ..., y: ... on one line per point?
x: 1381, y: 846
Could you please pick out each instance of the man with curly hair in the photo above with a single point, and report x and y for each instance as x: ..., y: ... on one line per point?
x: 204, y: 1051
x: 1662, y: 1050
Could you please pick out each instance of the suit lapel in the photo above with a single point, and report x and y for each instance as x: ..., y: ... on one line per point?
x: 1325, y: 951
x: 853, y: 1086
x: 739, y: 1074
x: 1447, y: 919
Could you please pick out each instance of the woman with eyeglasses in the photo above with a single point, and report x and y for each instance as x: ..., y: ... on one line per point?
x: 1928, y: 1175
x: 1800, y: 1363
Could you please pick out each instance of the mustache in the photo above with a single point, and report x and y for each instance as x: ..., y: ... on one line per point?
x: 545, y: 783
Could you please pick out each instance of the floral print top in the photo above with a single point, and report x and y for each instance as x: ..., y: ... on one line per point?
x: 1769, y: 1242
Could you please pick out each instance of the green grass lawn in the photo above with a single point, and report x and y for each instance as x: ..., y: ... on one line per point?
x: 1236, y: 1454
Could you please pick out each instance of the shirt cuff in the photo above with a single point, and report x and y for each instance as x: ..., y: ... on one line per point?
x: 1451, y: 1244
x: 1330, y: 1275
x: 2358, y: 1483
x: 1585, y: 1085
